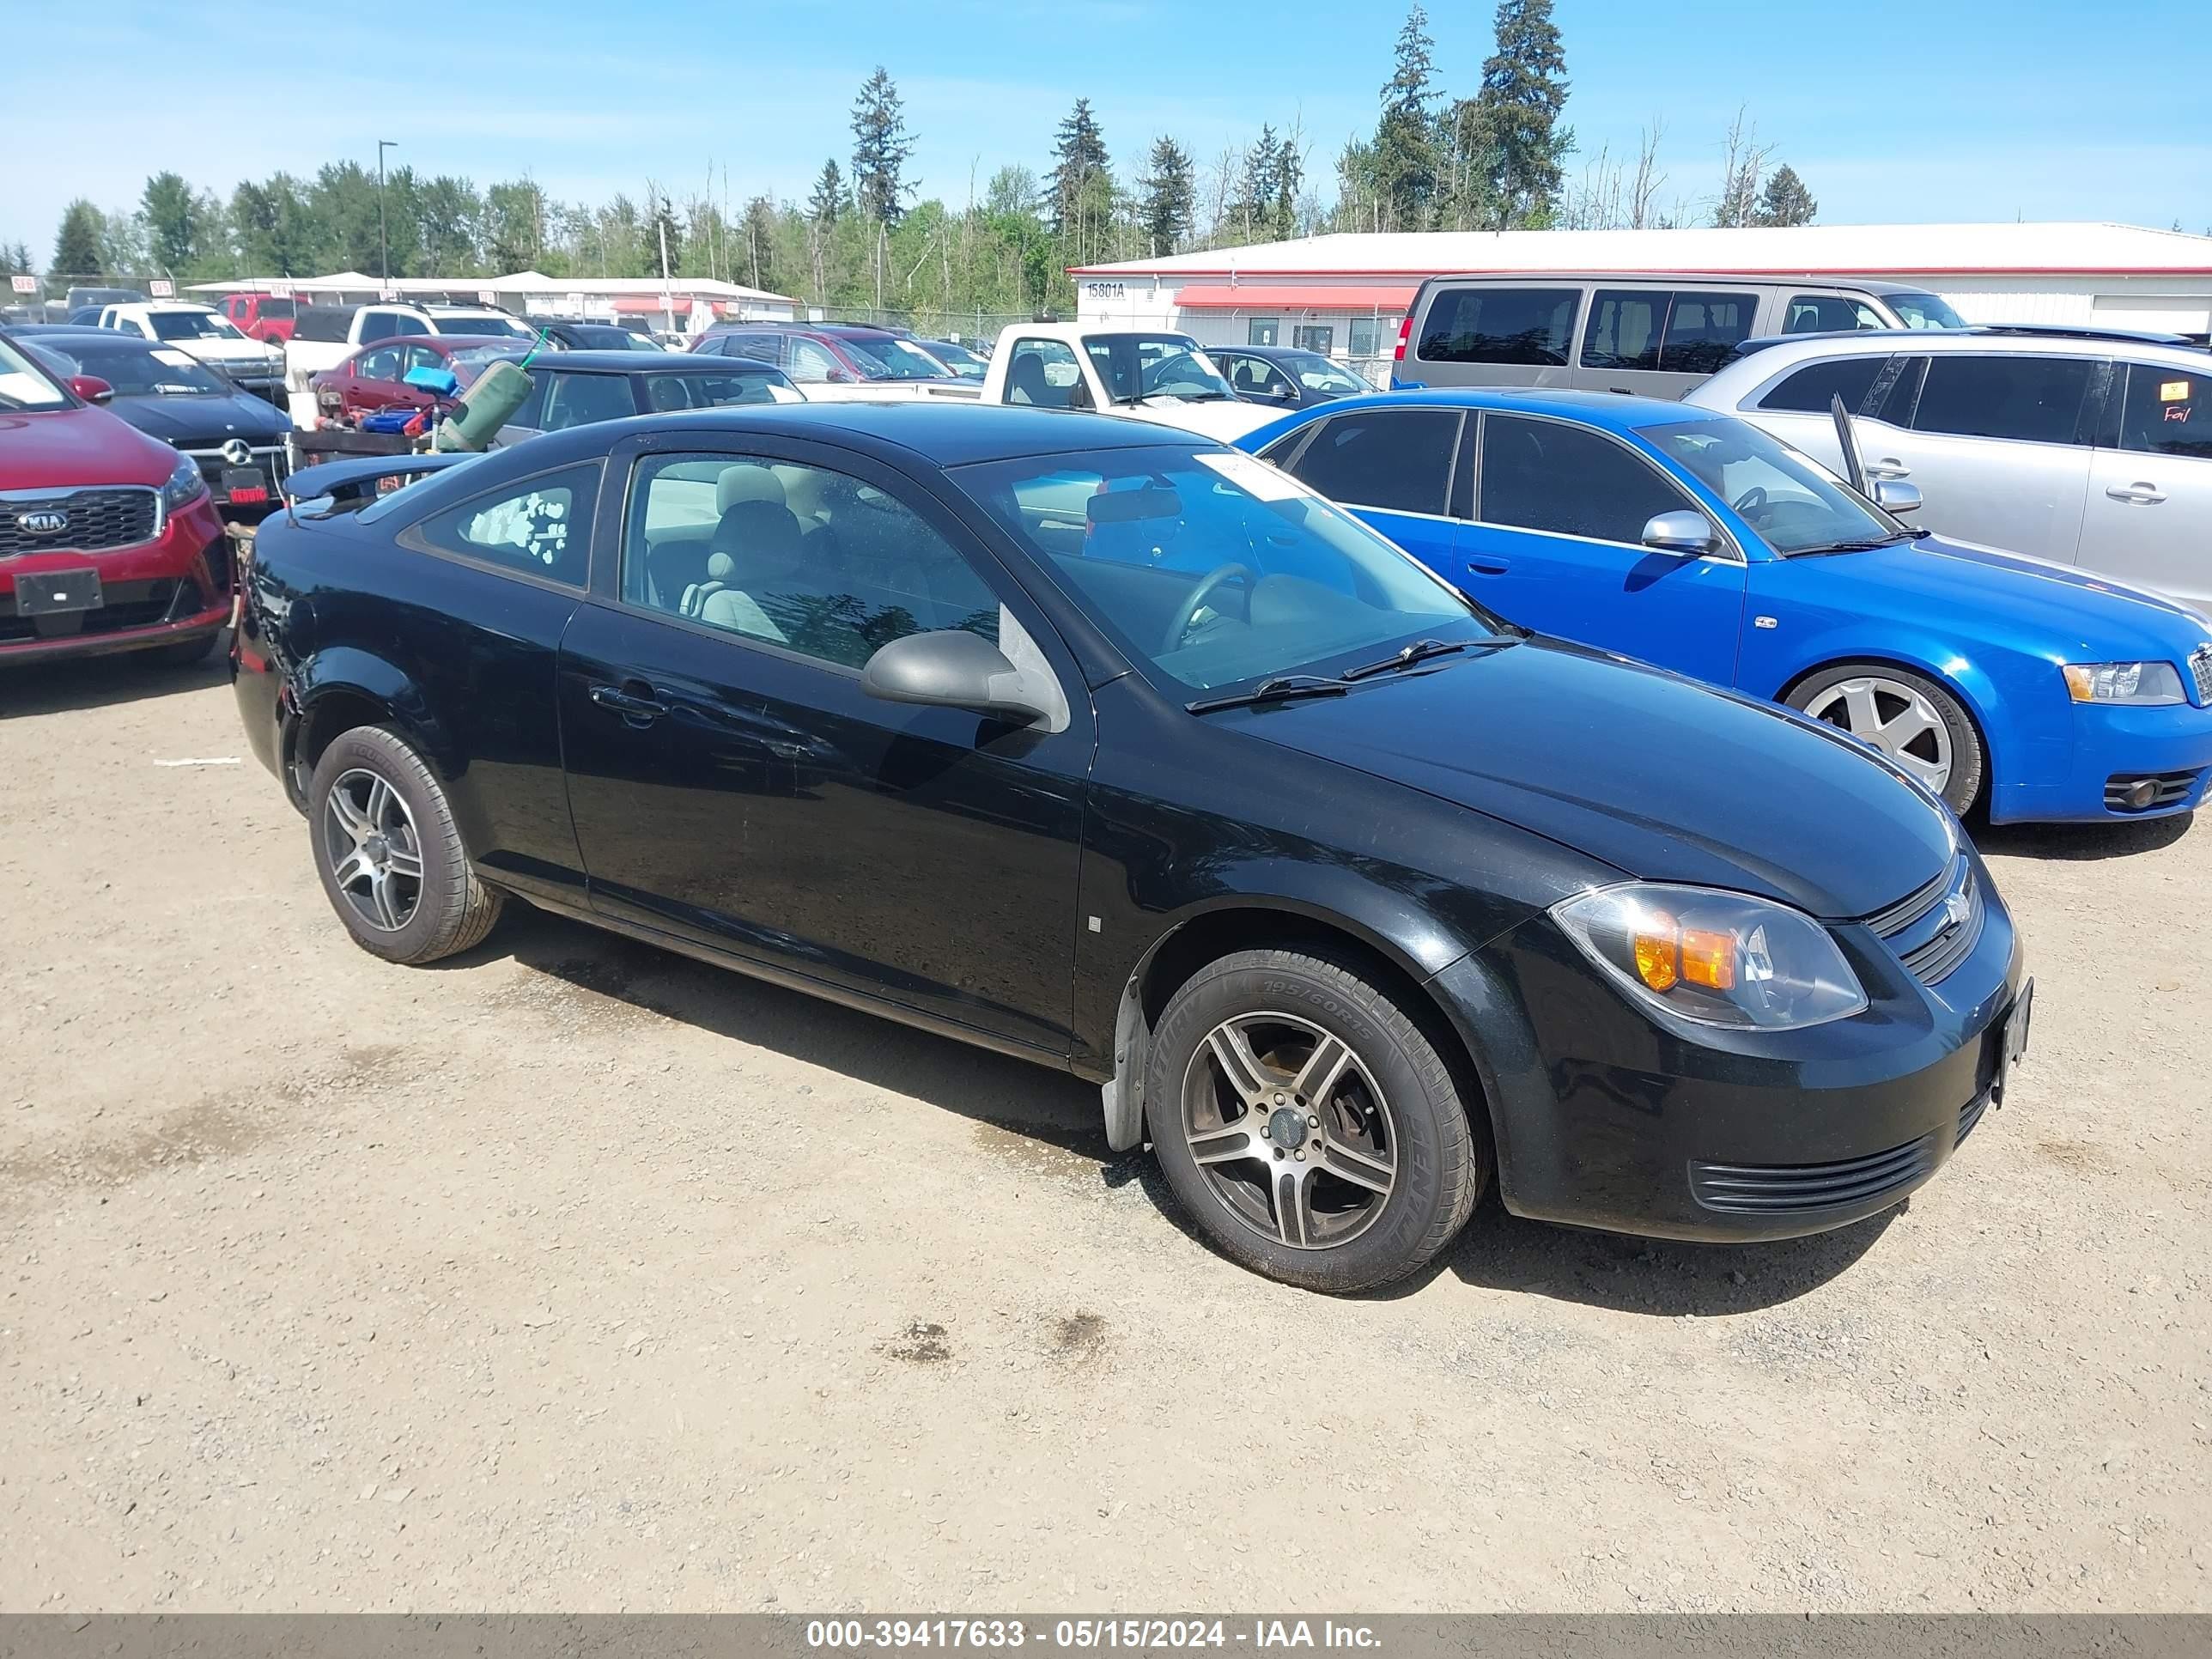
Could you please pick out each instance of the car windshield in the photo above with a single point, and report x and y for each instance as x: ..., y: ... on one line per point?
x: 885, y: 357
x: 1795, y: 505
x: 476, y: 322
x: 21, y: 385
x: 717, y: 388
x: 958, y: 358
x: 191, y: 326
x: 1135, y: 367
x: 1316, y: 374
x: 1214, y: 570
x: 610, y: 338
x: 1924, y: 311
x: 134, y: 371
x: 476, y: 356
x: 273, y: 310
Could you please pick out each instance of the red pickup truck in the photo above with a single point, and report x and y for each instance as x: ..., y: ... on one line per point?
x: 109, y: 540
x: 264, y: 316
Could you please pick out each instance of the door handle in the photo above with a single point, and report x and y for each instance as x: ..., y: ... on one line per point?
x: 1488, y: 564
x: 1888, y: 467
x: 637, y: 707
x: 2139, y: 493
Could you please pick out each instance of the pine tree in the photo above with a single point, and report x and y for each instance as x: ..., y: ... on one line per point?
x: 881, y: 145
x: 1404, y: 155
x: 1253, y: 214
x: 1290, y: 176
x: 1524, y: 87
x: 828, y: 198
x: 1785, y: 200
x: 76, y: 245
x: 1171, y: 188
x: 756, y: 252
x: 1079, y: 168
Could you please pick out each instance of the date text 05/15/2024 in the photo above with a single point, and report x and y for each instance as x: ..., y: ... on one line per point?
x: 1130, y: 1634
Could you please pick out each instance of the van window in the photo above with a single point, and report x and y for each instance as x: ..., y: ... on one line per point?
x: 1828, y: 313
x: 1528, y: 325
x: 1673, y: 333
x: 2029, y: 399
x: 1810, y: 389
x: 2168, y: 411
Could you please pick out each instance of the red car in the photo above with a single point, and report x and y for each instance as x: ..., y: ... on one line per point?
x: 109, y: 540
x: 263, y: 316
x: 376, y: 377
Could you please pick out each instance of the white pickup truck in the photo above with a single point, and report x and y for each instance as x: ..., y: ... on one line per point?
x: 1145, y: 374
x: 325, y: 335
x: 200, y: 332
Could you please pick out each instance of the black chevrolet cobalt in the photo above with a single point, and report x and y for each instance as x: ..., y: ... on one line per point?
x: 1120, y: 751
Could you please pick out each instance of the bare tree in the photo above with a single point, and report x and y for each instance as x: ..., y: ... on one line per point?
x: 1643, y: 186
x: 1743, y: 161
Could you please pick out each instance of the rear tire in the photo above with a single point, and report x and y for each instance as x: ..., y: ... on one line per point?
x: 1308, y: 1125
x: 389, y: 855
x: 1909, y: 717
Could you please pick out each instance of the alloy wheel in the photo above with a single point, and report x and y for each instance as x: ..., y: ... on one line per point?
x: 1290, y: 1130
x: 375, y: 851
x: 1893, y: 718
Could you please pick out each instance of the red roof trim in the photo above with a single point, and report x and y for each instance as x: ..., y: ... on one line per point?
x: 1876, y: 270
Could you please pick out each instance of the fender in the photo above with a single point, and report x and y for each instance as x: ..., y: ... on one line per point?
x: 349, y: 669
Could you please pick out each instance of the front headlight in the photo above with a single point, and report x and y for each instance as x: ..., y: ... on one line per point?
x: 1716, y: 957
x: 186, y: 485
x: 2123, y: 682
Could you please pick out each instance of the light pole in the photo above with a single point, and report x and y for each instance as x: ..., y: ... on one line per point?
x: 383, y: 243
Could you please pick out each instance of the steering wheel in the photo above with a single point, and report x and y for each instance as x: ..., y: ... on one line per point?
x: 1187, y: 611
x: 1751, y: 501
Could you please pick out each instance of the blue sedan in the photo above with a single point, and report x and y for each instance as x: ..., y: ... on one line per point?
x: 1699, y: 542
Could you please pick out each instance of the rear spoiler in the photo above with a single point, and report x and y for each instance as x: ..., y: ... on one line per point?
x: 350, y: 484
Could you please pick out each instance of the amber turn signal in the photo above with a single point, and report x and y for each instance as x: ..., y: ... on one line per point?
x: 1666, y: 954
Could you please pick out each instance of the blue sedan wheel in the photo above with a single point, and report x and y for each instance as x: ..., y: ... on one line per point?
x: 1913, y: 721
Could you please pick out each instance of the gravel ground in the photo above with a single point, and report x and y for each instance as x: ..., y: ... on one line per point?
x: 573, y: 1275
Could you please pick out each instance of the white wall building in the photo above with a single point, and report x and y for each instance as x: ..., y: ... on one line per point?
x: 638, y: 299
x: 1347, y: 294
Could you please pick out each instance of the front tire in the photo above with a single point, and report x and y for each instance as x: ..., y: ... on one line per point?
x: 389, y: 853
x: 1308, y: 1125
x: 1917, y: 723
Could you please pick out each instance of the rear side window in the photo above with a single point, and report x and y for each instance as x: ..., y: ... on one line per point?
x: 541, y: 527
x: 2029, y: 399
x: 1828, y: 313
x: 381, y: 364
x: 1688, y: 333
x: 575, y: 399
x: 2168, y: 411
x: 1397, y: 459
x: 1523, y: 326
x: 1809, y: 390
x: 1545, y: 475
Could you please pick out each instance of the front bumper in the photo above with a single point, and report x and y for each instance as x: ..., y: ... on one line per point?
x: 1604, y: 1120
x: 2169, y: 743
x: 173, y: 588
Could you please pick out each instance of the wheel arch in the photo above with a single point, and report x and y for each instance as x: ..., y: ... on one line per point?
x: 345, y: 687
x: 1251, y: 922
x: 1976, y: 692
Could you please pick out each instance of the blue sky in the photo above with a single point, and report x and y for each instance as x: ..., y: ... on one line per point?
x: 1928, y: 109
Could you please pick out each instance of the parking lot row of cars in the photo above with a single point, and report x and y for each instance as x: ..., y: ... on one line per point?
x: 1141, y: 746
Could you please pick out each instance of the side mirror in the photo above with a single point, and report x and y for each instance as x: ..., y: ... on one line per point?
x: 838, y: 377
x: 1896, y: 497
x: 91, y: 388
x: 1686, y: 533
x: 951, y: 668
x: 1080, y: 396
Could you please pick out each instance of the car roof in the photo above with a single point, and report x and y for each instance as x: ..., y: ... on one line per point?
x: 653, y: 362
x: 942, y: 433
x: 1272, y: 354
x: 1607, y: 410
x: 1794, y: 349
x: 1877, y: 285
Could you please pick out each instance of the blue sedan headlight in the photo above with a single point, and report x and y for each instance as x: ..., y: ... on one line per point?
x: 2123, y: 682
x: 1716, y: 957
x: 186, y: 485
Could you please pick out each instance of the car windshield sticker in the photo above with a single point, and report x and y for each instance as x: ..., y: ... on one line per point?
x: 2173, y: 392
x: 173, y: 357
x: 1255, y: 477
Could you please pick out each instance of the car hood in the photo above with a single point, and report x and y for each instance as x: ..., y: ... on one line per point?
x: 1653, y: 774
x: 66, y: 448
x: 2032, y: 605
x: 200, y: 422
x: 1226, y: 420
x: 237, y: 354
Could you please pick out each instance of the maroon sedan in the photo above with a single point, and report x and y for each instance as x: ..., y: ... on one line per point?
x: 376, y: 377
x: 109, y: 540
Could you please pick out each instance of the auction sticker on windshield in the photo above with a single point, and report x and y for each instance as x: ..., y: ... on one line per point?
x: 1253, y: 478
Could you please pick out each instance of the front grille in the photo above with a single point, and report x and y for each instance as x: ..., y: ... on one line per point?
x: 2200, y: 666
x: 100, y: 520
x: 1799, y: 1189
x: 1935, y: 927
x: 124, y: 606
x: 270, y: 458
x: 1969, y: 1115
x: 2166, y: 788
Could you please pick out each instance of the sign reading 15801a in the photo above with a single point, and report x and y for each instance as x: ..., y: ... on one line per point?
x: 1106, y: 290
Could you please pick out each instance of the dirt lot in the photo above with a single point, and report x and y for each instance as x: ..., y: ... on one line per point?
x: 575, y: 1275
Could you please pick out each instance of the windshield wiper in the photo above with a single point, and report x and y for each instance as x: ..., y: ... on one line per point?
x: 1865, y: 546
x: 1421, y: 651
x: 1280, y: 689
